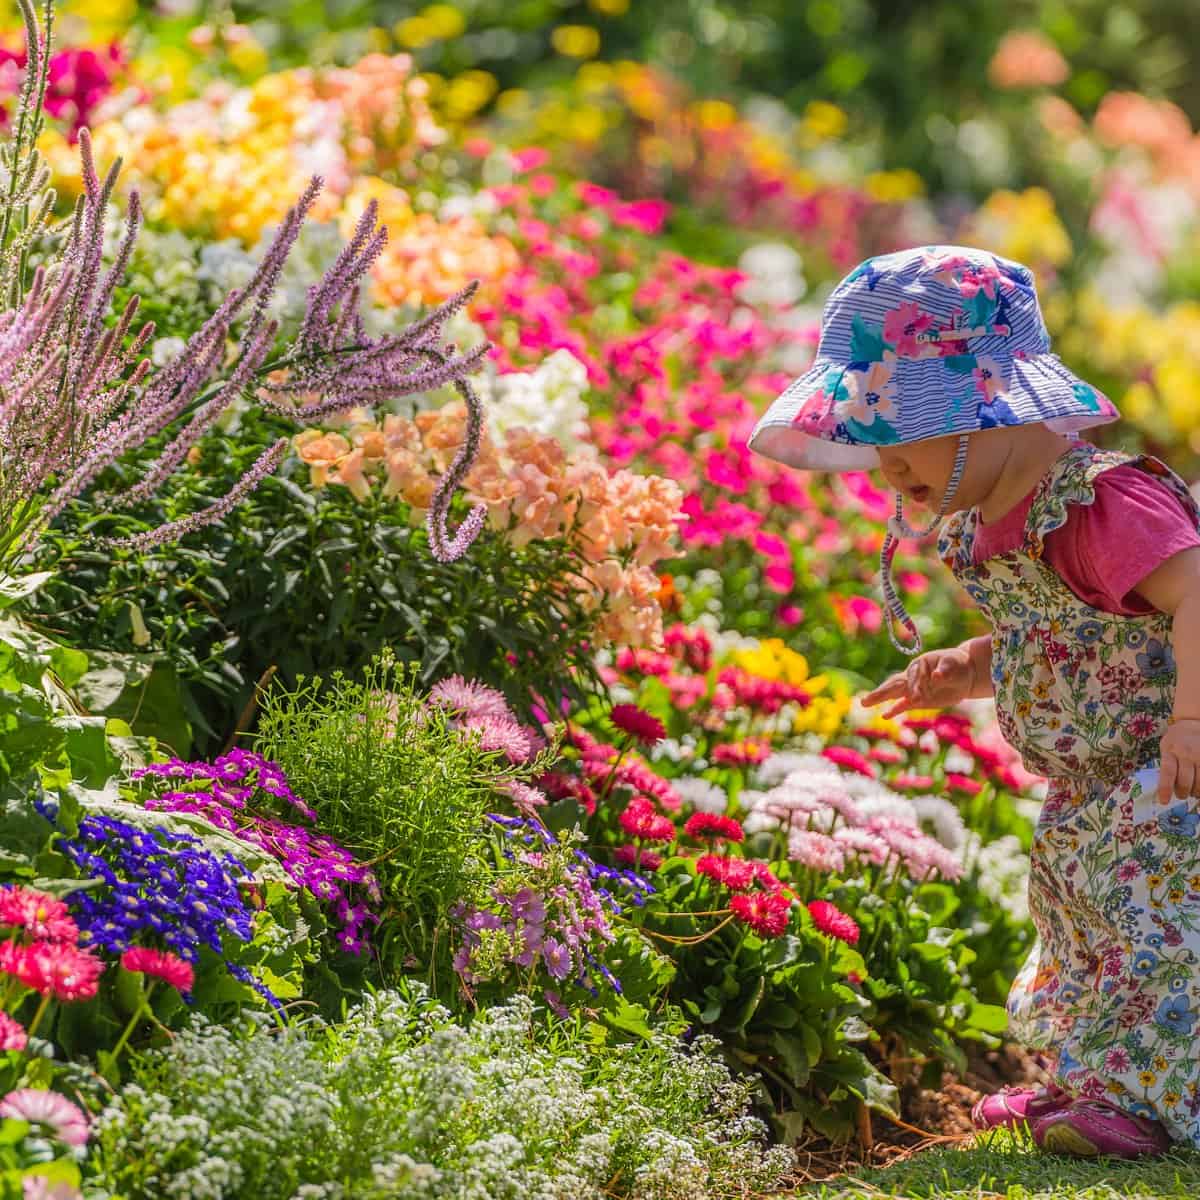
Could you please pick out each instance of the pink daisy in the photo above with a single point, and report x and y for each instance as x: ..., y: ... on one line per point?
x: 830, y: 919
x: 160, y: 964
x: 501, y: 734
x: 44, y: 917
x: 63, y: 1119
x: 765, y: 914
x: 12, y: 1033
x: 703, y: 826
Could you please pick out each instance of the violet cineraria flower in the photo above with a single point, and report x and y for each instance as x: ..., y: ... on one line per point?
x: 243, y: 793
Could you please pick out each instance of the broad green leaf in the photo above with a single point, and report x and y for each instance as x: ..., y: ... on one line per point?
x: 15, y: 588
x: 992, y: 1018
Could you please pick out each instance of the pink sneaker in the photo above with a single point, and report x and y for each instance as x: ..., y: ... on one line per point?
x: 1012, y: 1105
x: 1087, y: 1128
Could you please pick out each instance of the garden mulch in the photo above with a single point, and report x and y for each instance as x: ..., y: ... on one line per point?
x: 930, y: 1117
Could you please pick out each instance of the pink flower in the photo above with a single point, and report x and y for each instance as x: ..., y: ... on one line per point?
x: 902, y: 326
x: 963, y: 784
x: 160, y: 964
x: 849, y: 759
x: 766, y: 914
x: 737, y: 874
x: 527, y: 799
x: 704, y: 826
x: 12, y: 1033
x: 501, y: 734
x: 469, y: 698
x: 56, y: 1113
x: 639, y: 724
x: 886, y: 754
x: 912, y: 783
x: 830, y: 919
x: 53, y: 969
x: 638, y: 857
x: 530, y: 158
x: 41, y: 915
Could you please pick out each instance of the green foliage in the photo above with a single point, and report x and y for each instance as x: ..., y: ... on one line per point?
x: 400, y: 1101
x: 304, y: 582
x: 400, y: 788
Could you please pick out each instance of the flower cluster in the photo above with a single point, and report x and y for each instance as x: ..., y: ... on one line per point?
x: 483, y: 714
x: 831, y: 819
x: 243, y: 793
x: 550, y: 916
x: 158, y: 886
x: 79, y: 81
x: 531, y: 489
x: 43, y: 952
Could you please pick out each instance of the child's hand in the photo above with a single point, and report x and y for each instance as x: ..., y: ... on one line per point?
x: 939, y: 679
x: 1179, y: 776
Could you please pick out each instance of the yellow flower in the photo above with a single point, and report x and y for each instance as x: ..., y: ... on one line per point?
x: 576, y: 41
x: 822, y: 121
x: 1160, y: 1063
x: 609, y: 8
x: 894, y: 187
x: 1172, y: 1097
x: 1154, y: 880
x: 1147, y: 1078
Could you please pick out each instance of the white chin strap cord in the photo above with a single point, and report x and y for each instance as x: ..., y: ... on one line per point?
x: 897, y: 528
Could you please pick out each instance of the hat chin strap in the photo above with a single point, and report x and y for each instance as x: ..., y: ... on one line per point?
x: 897, y: 528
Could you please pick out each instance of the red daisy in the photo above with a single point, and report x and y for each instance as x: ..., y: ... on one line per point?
x: 888, y: 754
x: 160, y: 964
x: 741, y: 754
x: 639, y: 724
x: 830, y: 919
x: 639, y: 820
x: 851, y: 760
x: 765, y: 914
x: 737, y: 874
x: 703, y: 826
x: 12, y: 1033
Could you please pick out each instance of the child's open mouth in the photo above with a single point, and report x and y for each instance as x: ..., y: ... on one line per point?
x: 920, y: 495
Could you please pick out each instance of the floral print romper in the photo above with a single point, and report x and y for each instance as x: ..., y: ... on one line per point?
x: 1113, y: 980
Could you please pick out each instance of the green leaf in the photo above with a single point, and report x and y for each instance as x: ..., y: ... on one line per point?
x: 68, y: 664
x: 992, y: 1018
x: 792, y: 1054
x: 14, y: 588
x: 866, y: 341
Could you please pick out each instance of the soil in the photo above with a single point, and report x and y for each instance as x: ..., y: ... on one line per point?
x: 938, y: 1117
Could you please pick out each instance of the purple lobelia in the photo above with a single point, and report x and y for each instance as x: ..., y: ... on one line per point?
x: 245, y: 794
x: 79, y: 394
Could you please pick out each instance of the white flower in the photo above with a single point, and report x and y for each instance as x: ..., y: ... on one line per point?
x: 702, y: 794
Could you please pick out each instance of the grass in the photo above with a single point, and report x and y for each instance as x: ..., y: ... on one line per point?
x: 1004, y: 1165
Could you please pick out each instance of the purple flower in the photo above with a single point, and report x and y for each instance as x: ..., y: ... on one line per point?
x: 557, y: 958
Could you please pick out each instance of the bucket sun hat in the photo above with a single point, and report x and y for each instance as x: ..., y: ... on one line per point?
x: 922, y: 344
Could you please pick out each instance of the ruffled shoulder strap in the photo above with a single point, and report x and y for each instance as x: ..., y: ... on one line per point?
x: 1073, y: 481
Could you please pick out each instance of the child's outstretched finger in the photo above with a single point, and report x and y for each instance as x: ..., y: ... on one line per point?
x: 889, y: 689
x: 1167, y: 776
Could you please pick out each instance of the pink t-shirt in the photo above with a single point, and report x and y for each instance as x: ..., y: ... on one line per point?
x: 1108, y: 547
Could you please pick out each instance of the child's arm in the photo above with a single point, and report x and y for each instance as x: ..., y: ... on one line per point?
x: 1174, y: 588
x: 939, y: 679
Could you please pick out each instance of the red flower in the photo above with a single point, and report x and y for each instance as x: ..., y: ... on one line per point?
x: 703, y: 826
x: 888, y: 755
x: 41, y: 915
x: 160, y: 964
x: 852, y: 760
x: 919, y: 724
x: 639, y: 820
x: 639, y: 724
x: 737, y: 874
x: 559, y: 787
x: 830, y: 919
x: 964, y: 784
x: 765, y: 914
x: 53, y: 969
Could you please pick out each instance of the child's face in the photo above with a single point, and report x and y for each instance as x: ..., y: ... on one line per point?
x: 921, y: 471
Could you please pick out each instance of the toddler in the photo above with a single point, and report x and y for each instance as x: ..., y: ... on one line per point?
x: 934, y: 365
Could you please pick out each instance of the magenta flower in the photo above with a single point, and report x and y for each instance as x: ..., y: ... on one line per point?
x: 557, y: 958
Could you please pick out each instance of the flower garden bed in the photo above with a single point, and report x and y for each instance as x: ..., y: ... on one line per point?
x: 429, y: 747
